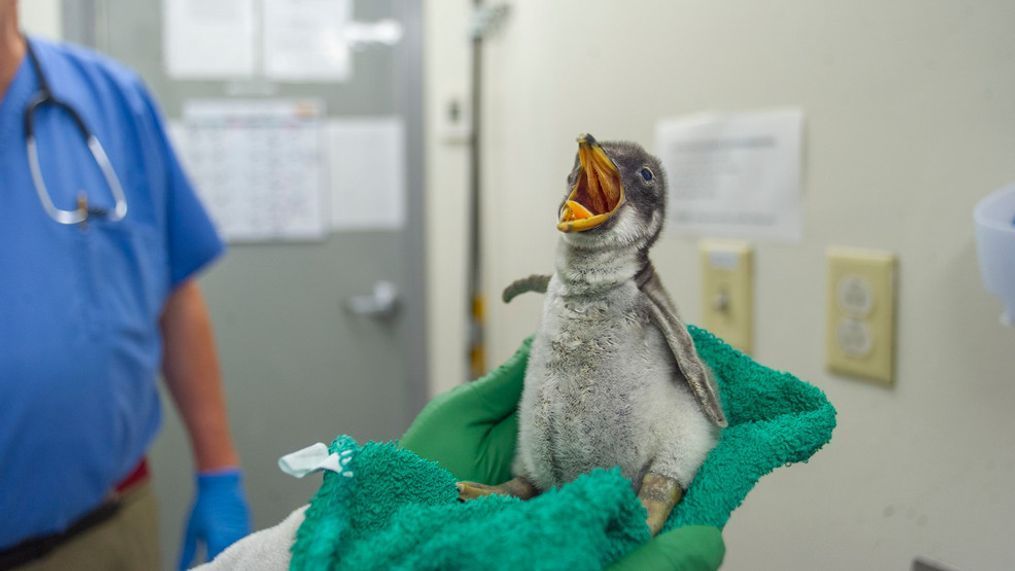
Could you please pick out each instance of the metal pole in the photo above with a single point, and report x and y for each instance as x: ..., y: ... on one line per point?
x: 477, y: 352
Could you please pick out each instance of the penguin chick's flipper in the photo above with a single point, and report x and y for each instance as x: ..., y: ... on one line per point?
x: 518, y: 487
x: 698, y: 377
x: 659, y: 494
x: 537, y: 283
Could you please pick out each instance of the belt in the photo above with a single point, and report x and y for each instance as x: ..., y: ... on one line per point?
x: 38, y: 547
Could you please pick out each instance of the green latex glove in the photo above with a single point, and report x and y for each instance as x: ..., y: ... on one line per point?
x: 472, y: 431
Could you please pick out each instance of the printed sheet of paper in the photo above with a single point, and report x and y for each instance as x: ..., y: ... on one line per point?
x: 258, y: 165
x: 305, y: 40
x: 367, y: 171
x: 209, y: 39
x: 734, y: 175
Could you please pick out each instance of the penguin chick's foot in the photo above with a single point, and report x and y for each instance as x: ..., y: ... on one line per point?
x: 518, y: 487
x: 659, y: 494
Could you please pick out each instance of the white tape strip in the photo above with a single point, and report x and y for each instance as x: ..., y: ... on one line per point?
x: 311, y: 459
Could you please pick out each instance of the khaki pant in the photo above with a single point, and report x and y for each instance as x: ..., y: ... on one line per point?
x: 127, y: 541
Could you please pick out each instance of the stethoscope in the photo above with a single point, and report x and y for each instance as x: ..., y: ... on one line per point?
x: 83, y: 211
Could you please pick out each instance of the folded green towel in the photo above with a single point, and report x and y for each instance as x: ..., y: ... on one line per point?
x: 775, y: 419
x: 397, y: 510
x: 400, y: 511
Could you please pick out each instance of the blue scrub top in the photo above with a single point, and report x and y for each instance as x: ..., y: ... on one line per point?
x: 80, y: 346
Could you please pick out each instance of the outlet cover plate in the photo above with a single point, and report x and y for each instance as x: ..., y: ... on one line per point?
x: 727, y: 291
x: 860, y: 313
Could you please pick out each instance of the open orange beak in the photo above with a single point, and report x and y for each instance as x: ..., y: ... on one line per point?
x: 598, y: 193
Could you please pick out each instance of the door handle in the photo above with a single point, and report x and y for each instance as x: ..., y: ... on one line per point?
x: 381, y: 303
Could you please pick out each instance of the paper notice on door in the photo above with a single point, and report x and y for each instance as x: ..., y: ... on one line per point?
x: 208, y: 39
x: 258, y: 165
x: 367, y: 170
x: 734, y: 175
x: 305, y: 40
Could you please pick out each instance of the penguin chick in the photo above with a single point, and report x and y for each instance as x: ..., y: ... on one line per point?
x: 613, y: 377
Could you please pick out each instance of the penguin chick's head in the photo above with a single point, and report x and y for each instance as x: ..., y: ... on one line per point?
x: 616, y: 196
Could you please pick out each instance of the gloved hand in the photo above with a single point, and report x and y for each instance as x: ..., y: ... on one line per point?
x: 472, y: 431
x: 219, y: 515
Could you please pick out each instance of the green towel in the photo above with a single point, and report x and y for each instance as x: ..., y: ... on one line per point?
x: 399, y: 511
x: 775, y: 419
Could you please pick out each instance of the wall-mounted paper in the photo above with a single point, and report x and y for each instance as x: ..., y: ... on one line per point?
x: 734, y: 175
x: 367, y: 171
x: 258, y: 165
x: 208, y: 39
x: 304, y: 40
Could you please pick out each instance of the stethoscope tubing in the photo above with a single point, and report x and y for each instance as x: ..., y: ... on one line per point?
x: 45, y: 97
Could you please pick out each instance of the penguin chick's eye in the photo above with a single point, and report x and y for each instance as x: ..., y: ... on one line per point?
x: 646, y: 174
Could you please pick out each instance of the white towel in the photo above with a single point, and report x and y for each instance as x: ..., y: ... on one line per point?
x: 265, y: 550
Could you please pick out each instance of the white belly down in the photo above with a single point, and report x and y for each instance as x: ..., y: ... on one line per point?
x: 603, y: 392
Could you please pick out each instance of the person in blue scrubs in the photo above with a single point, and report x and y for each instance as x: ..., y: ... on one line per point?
x: 90, y: 313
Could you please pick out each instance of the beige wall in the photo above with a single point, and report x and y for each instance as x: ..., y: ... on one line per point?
x: 910, y: 113
x: 446, y: 62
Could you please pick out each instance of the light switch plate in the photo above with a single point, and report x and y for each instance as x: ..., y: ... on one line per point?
x: 727, y: 291
x: 860, y: 313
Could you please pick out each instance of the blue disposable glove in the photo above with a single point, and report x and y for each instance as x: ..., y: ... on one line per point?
x: 219, y: 516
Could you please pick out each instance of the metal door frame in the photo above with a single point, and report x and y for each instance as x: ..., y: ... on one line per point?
x: 410, y: 104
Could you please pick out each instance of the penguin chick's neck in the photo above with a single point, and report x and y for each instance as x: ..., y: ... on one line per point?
x: 594, y: 271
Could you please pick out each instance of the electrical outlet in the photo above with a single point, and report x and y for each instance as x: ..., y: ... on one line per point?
x: 727, y: 291
x: 860, y: 328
